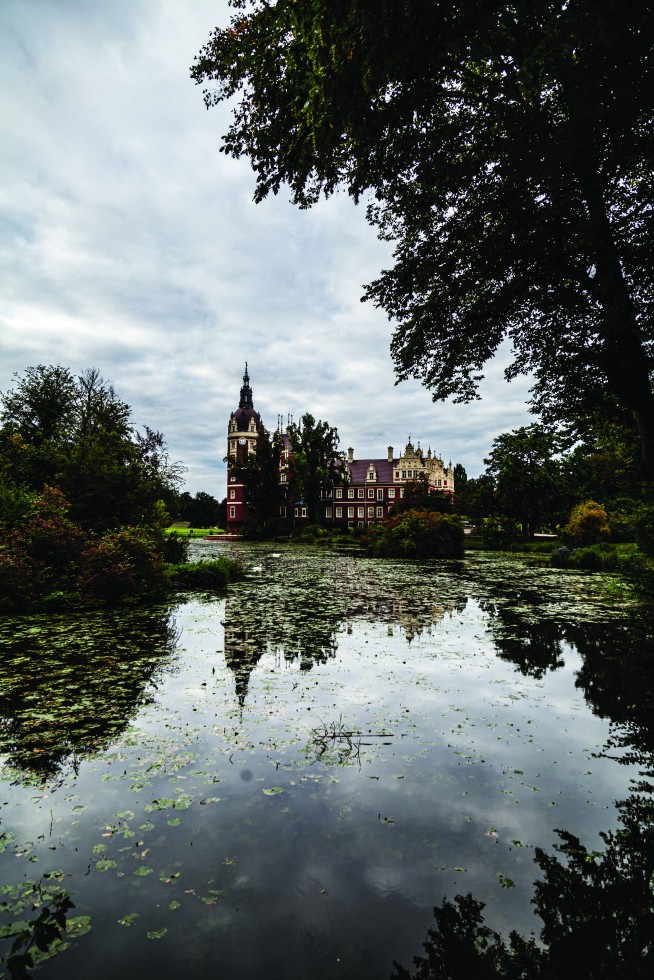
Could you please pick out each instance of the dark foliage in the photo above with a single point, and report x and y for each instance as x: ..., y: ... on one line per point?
x: 507, y: 151
x: 416, y: 534
x: 77, y: 434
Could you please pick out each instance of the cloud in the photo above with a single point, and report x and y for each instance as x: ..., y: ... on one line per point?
x: 129, y: 242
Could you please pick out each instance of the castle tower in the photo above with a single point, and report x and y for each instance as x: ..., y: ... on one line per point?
x: 242, y: 431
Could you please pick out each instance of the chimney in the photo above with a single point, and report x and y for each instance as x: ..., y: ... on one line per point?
x: 390, y: 454
x: 350, y: 454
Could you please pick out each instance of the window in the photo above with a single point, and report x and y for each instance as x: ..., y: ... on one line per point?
x: 439, y: 482
x: 391, y: 493
x: 232, y: 494
x: 371, y: 493
x: 444, y: 483
x: 404, y: 474
x: 350, y: 493
x: 297, y: 511
x: 371, y: 512
x: 397, y: 474
x: 380, y: 495
x: 350, y: 512
x: 304, y: 512
x: 232, y: 446
x: 360, y: 493
x: 339, y: 511
x: 282, y: 512
x: 401, y: 492
x: 360, y: 523
x: 232, y: 511
x: 283, y: 478
x: 339, y: 493
x: 233, y: 479
x: 360, y: 511
x: 328, y: 512
x: 380, y: 512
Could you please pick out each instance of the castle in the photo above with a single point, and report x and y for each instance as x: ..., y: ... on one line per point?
x: 371, y: 487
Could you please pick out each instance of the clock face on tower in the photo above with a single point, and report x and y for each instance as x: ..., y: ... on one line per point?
x: 241, y: 442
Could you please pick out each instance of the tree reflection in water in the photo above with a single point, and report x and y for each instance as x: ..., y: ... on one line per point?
x: 597, y: 908
x: 69, y: 685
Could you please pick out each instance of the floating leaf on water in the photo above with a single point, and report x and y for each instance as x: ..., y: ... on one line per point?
x: 104, y: 864
x: 273, y: 791
x: 174, y: 821
x: 128, y: 920
x: 157, y: 933
x: 174, y: 905
x: 143, y: 871
x: 79, y: 925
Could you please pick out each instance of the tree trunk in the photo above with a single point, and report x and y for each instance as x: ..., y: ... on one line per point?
x: 626, y: 363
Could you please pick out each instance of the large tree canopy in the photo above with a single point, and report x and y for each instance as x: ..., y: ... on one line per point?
x: 506, y: 148
x: 317, y: 464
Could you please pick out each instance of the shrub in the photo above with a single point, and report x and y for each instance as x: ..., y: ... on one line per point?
x: 588, y: 524
x: 121, y: 564
x: 174, y: 549
x: 212, y: 574
x: 639, y: 571
x: 416, y: 534
x: 500, y: 532
x: 43, y: 554
x: 21, y: 580
x: 644, y: 526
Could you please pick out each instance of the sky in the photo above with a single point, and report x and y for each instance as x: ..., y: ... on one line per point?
x: 130, y: 243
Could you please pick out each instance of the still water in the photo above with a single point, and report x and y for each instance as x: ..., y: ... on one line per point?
x: 285, y: 781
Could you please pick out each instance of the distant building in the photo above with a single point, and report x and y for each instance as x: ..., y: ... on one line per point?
x: 372, y: 487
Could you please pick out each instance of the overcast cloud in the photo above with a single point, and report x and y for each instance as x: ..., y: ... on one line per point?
x: 129, y: 243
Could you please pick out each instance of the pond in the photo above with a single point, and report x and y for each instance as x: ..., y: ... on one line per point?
x: 285, y: 781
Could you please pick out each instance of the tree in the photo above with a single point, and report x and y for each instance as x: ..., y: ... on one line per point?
x: 418, y: 496
x: 526, y: 474
x: 588, y: 523
x: 317, y: 463
x: 42, y: 405
x: 260, y: 478
x: 505, y: 148
x: 77, y: 434
x: 476, y: 497
x: 201, y: 510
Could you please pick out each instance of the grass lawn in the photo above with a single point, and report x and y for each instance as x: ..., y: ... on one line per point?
x: 193, y: 532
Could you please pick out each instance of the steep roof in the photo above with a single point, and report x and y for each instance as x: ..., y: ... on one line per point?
x: 358, y: 470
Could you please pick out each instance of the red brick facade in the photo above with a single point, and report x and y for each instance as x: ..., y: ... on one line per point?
x: 374, y: 484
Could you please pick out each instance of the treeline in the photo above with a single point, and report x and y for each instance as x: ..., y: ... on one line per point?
x: 533, y: 480
x: 85, y: 497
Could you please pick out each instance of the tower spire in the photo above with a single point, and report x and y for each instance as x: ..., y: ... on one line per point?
x: 246, y: 391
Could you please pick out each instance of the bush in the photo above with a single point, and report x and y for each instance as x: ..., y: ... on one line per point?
x: 43, y: 554
x: 212, y: 574
x: 588, y: 524
x: 174, y: 549
x: 416, y: 534
x: 639, y: 571
x: 121, y: 564
x: 500, y: 532
x: 644, y: 527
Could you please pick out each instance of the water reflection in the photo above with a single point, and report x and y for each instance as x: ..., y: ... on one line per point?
x: 267, y: 847
x: 596, y: 906
x: 596, y: 909
x: 296, y: 607
x: 69, y: 685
